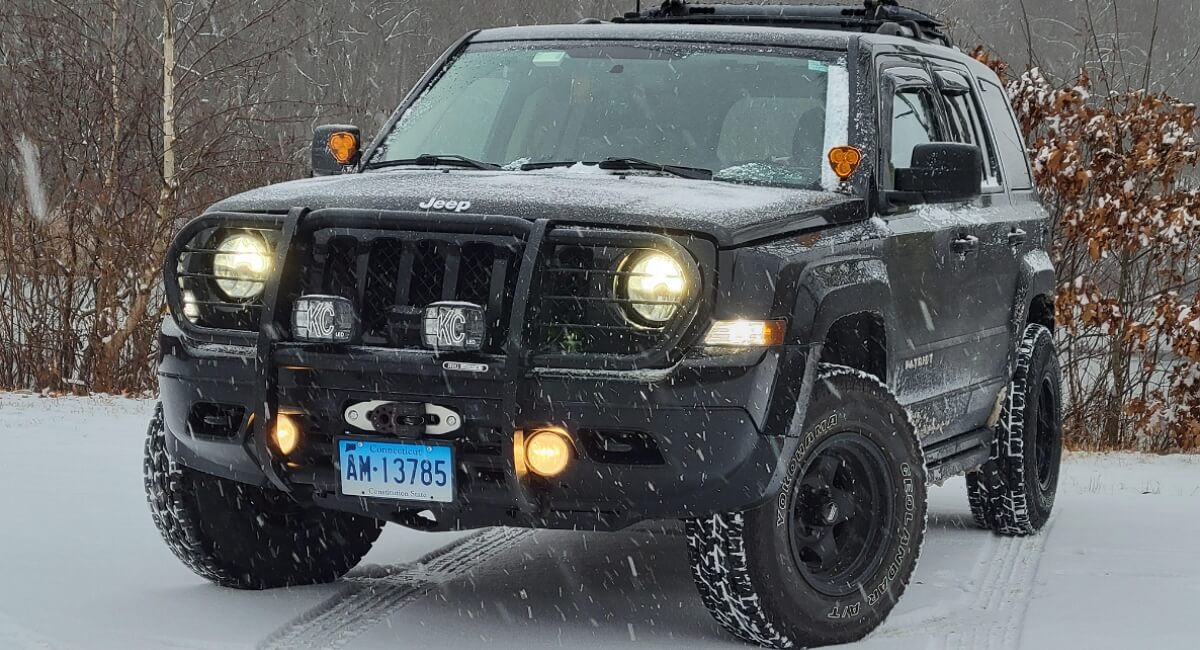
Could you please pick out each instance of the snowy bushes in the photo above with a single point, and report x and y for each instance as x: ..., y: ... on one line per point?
x: 1112, y: 167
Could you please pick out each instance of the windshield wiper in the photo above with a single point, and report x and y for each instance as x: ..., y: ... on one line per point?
x: 620, y: 164
x: 434, y: 160
x: 626, y: 164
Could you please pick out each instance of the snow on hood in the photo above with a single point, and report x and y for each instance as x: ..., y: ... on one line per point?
x: 728, y: 212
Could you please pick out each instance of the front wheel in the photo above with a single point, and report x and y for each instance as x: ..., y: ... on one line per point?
x: 244, y: 536
x: 826, y: 560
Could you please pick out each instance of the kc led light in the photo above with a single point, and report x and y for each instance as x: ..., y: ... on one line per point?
x: 454, y: 326
x: 324, y: 319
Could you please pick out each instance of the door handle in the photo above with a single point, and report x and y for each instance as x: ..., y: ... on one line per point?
x: 1017, y: 238
x: 966, y: 245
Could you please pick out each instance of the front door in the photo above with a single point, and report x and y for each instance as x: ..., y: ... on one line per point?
x: 928, y: 263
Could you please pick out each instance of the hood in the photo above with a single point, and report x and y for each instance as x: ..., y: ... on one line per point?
x: 729, y: 213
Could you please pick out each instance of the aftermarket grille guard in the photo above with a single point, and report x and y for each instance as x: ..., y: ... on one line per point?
x: 293, y: 250
x: 284, y: 283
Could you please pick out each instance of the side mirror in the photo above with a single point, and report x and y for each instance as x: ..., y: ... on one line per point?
x: 941, y: 172
x: 335, y: 147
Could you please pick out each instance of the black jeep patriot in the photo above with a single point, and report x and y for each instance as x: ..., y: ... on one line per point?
x: 767, y: 270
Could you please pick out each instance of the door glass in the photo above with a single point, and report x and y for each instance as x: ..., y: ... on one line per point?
x: 965, y: 123
x: 913, y: 123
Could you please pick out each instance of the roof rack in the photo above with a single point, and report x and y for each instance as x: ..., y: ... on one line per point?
x: 876, y: 16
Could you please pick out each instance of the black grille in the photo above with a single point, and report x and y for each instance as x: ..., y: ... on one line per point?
x: 392, y: 276
x: 580, y: 306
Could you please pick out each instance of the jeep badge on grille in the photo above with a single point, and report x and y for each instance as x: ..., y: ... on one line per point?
x: 454, y: 326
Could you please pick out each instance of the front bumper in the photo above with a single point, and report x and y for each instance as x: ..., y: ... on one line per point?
x: 710, y: 421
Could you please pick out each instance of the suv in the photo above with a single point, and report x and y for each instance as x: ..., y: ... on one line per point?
x: 767, y: 270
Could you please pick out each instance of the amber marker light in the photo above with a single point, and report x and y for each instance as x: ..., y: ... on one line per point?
x: 746, y: 333
x: 545, y: 452
x: 287, y: 434
x: 845, y: 161
x: 343, y: 146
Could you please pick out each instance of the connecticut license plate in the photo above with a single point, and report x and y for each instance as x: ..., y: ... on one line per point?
x: 405, y: 471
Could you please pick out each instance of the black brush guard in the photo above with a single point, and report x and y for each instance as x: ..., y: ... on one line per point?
x: 517, y: 354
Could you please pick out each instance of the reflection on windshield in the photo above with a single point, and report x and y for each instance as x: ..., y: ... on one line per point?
x: 752, y: 116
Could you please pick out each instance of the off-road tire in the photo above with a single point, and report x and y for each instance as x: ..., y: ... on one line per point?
x: 1013, y: 493
x: 977, y: 499
x: 745, y: 564
x: 243, y: 536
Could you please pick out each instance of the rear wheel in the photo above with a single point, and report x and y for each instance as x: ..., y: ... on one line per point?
x: 826, y: 560
x: 1014, y: 492
x: 243, y: 536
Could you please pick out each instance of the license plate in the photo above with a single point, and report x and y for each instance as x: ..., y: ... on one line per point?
x: 406, y: 471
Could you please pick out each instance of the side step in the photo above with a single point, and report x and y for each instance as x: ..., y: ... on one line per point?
x: 958, y: 455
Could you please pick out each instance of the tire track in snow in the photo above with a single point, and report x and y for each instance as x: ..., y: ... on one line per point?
x: 370, y: 596
x: 993, y: 619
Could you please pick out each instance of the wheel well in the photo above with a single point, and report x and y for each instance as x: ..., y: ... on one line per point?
x: 858, y: 341
x: 1041, y: 311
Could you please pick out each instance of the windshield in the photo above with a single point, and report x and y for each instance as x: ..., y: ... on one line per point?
x: 754, y: 116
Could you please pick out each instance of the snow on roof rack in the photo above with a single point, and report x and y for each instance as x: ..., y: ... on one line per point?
x: 877, y: 16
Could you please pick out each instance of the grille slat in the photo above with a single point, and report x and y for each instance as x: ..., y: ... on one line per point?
x: 362, y: 272
x: 404, y: 273
x: 498, y: 294
x: 450, y: 280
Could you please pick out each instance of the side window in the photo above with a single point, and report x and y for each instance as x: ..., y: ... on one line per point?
x: 966, y: 123
x: 1009, y: 142
x: 914, y: 122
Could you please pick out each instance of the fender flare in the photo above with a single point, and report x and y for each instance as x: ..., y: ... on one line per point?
x: 838, y: 288
x: 826, y: 293
x: 1035, y: 277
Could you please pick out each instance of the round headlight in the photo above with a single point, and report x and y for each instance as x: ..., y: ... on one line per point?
x: 655, y: 287
x: 241, y: 265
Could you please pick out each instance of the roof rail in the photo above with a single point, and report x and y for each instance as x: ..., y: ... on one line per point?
x: 876, y: 16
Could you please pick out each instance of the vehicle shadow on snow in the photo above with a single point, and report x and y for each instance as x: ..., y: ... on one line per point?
x: 570, y: 587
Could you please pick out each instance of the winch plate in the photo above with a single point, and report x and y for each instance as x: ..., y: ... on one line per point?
x: 403, y: 418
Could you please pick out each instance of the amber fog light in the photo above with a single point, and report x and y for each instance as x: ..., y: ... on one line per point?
x: 547, y: 452
x: 287, y: 434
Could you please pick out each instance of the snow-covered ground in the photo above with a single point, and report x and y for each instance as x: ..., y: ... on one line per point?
x: 81, y: 566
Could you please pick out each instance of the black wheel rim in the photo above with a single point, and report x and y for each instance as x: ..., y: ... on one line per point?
x: 1046, y: 439
x: 841, y: 509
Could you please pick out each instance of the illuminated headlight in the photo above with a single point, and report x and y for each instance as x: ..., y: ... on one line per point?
x: 242, y: 264
x: 655, y: 286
